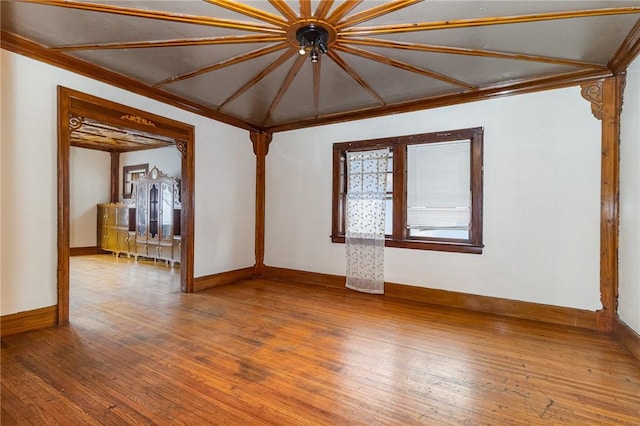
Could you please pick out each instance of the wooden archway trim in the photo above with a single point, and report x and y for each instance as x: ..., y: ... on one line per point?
x: 74, y: 103
x: 605, y: 97
x: 611, y: 95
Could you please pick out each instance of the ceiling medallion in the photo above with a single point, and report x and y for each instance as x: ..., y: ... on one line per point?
x: 312, y: 38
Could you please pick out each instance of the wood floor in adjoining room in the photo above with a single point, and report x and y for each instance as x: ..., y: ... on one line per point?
x: 263, y: 352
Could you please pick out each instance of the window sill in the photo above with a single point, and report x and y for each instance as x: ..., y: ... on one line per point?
x: 424, y: 245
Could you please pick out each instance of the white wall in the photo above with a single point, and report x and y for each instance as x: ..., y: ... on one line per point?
x: 89, y: 185
x: 629, y: 247
x: 224, y: 187
x: 541, y: 200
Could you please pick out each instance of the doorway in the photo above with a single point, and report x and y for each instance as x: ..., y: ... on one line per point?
x: 73, y: 108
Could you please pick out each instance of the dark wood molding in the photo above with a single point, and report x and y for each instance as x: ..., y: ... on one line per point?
x: 28, y: 320
x: 78, y: 104
x: 175, y: 17
x: 115, y: 176
x: 610, y: 200
x: 492, y: 305
x: 127, y: 178
x: 483, y: 21
x: 186, y: 146
x: 223, y: 278
x: 517, y: 88
x: 84, y: 251
x: 64, y: 227
x: 627, y: 51
x: 257, y: 139
x: 24, y: 47
x: 628, y: 337
x: 261, y: 143
x: 304, y: 277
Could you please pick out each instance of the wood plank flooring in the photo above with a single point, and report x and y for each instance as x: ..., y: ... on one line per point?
x: 264, y: 352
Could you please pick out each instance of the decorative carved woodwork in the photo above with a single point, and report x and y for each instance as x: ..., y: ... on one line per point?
x: 592, y: 92
x: 138, y: 119
x: 182, y: 147
x: 157, y: 217
x: 75, y: 122
x: 95, y: 134
x: 258, y: 138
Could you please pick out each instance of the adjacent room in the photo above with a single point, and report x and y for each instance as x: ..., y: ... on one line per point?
x: 320, y: 212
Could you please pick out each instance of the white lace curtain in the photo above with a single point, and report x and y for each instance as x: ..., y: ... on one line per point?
x: 366, y: 193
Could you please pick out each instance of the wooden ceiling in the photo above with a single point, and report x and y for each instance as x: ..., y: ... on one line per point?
x: 238, y: 62
x: 98, y: 135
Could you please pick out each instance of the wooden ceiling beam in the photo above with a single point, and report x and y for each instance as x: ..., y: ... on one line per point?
x: 342, y: 10
x: 163, y: 16
x: 323, y: 8
x: 376, y: 12
x: 175, y: 43
x: 375, y: 42
x: 516, y: 88
x: 316, y: 86
x: 354, y: 75
x: 30, y: 49
x: 227, y: 62
x: 282, y: 7
x: 627, y: 51
x: 260, y: 75
x: 81, y: 143
x: 305, y: 8
x: 284, y: 87
x: 250, y: 11
x: 403, y: 65
x: 481, y: 22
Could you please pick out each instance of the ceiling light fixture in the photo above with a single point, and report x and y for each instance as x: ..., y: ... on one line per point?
x: 314, y: 39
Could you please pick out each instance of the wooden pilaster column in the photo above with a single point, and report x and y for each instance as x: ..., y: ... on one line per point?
x: 260, y: 149
x: 115, y: 171
x: 606, y: 99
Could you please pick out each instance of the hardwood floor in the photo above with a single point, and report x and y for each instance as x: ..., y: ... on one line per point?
x: 265, y: 352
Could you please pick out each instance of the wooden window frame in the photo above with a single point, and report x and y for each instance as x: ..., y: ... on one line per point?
x: 398, y: 145
x: 129, y: 175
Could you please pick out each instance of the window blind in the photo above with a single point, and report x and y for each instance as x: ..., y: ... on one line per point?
x: 438, y: 189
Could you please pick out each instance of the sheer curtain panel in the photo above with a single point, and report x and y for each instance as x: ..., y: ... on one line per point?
x: 366, y: 192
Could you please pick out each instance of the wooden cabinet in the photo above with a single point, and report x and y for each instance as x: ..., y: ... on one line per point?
x: 149, y: 226
x: 113, y: 228
x: 157, y: 204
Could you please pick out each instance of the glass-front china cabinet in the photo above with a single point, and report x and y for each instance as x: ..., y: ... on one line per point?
x: 150, y: 226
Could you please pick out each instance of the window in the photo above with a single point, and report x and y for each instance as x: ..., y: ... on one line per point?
x: 434, y: 190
